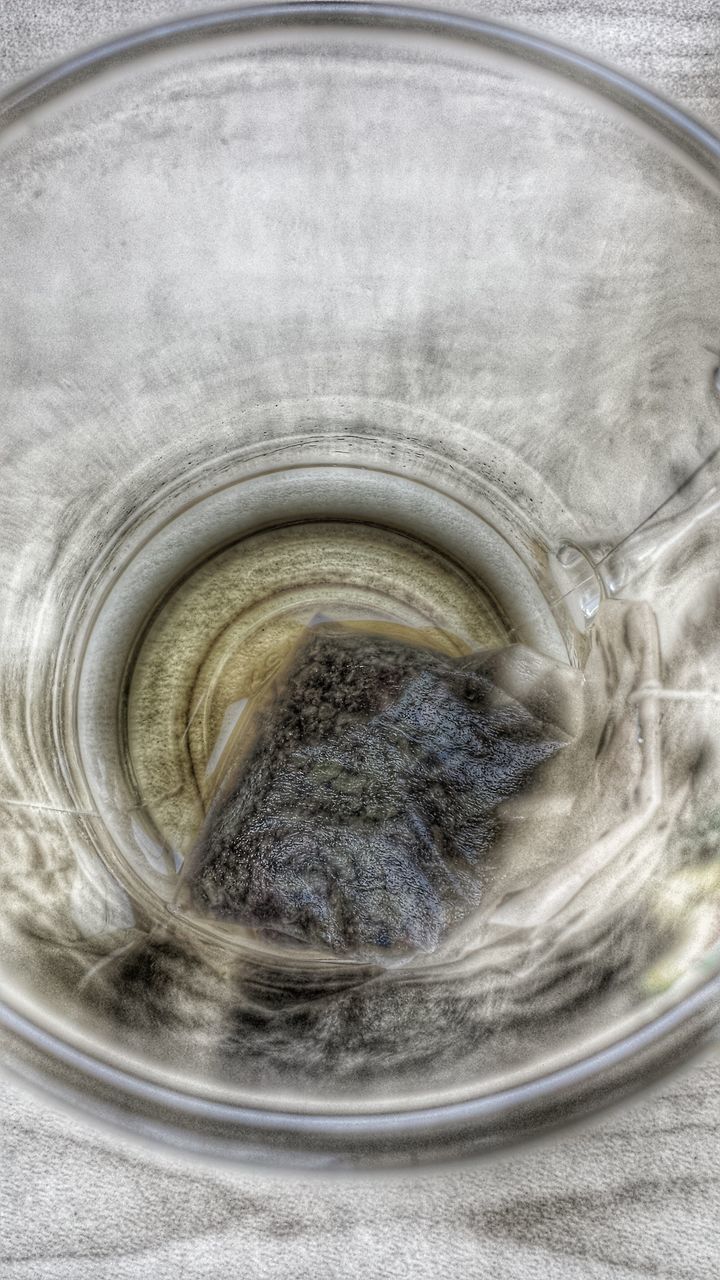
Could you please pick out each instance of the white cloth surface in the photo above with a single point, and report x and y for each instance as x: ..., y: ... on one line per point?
x: 634, y: 1193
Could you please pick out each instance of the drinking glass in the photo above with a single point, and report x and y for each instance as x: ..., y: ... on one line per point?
x: 372, y: 313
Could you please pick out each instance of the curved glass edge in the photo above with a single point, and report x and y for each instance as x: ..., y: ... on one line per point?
x: 676, y: 125
x: 451, y: 1133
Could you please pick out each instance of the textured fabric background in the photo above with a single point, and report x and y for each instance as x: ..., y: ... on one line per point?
x: 636, y: 1193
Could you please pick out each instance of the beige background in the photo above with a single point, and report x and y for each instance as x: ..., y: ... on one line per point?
x: 636, y: 1193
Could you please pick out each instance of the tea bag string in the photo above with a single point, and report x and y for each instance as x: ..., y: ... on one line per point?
x: 604, y: 559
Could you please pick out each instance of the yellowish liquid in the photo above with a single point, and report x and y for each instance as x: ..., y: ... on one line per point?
x: 229, y: 627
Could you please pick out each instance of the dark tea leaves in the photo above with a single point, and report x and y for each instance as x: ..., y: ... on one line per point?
x: 362, y: 816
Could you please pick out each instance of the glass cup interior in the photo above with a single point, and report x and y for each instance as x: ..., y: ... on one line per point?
x: 380, y: 333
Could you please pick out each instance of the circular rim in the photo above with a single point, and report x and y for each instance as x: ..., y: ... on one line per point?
x: 663, y: 116
x: 643, y: 1052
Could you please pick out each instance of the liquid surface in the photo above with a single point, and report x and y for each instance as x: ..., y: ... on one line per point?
x: 229, y: 627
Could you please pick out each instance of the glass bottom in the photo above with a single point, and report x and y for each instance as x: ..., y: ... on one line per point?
x: 202, y: 596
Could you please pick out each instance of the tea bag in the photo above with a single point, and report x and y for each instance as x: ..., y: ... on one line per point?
x: 360, y: 814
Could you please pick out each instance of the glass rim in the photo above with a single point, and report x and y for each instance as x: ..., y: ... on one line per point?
x: 664, y: 117
x: 659, y: 1033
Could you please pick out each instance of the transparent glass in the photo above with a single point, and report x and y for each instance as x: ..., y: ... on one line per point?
x: 394, y: 319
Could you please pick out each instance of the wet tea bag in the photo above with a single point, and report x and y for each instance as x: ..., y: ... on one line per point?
x: 358, y: 810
